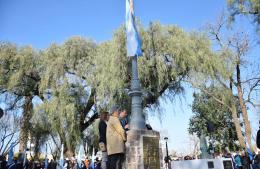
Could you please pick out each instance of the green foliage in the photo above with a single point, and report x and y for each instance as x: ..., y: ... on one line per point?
x: 7, y: 53
x: 245, y: 7
x: 63, y: 82
x: 19, y: 67
x: 39, y: 131
x: 111, y: 76
x: 170, y: 55
x: 73, y: 57
x: 72, y: 77
x: 62, y: 114
x: 20, y: 79
x: 207, y: 109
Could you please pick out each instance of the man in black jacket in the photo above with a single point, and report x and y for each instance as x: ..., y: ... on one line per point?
x: 3, y: 162
x: 102, y: 138
x: 256, y: 164
x: 123, y: 119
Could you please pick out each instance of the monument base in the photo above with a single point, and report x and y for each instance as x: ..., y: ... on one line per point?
x: 221, y: 163
x: 143, y: 150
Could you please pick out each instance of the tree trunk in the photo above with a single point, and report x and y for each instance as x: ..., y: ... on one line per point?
x: 68, y: 151
x: 36, y: 148
x: 243, y: 108
x: 232, y: 107
x: 237, y: 126
x: 25, y: 123
x: 91, y: 101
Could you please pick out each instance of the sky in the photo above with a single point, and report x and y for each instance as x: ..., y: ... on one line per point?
x: 41, y: 22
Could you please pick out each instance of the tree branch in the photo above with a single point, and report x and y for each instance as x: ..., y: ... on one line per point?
x: 212, y: 95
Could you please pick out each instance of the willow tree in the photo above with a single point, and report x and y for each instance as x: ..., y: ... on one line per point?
x: 40, y: 132
x: 80, y: 75
x: 20, y: 79
x: 68, y: 97
x: 27, y: 73
x: 169, y: 55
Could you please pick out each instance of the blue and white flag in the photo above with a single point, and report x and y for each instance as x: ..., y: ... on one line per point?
x: 61, y: 163
x: 134, y: 45
x: 46, y: 163
x: 93, y: 159
x: 80, y: 156
x: 46, y: 159
x: 11, y: 154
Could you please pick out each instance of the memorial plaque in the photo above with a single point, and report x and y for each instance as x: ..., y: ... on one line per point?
x: 227, y: 164
x: 210, y: 164
x: 151, y: 153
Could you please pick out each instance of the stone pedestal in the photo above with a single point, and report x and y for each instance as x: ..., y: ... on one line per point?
x: 143, y: 150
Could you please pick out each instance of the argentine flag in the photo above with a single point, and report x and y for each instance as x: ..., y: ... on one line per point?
x: 11, y: 154
x: 93, y: 159
x: 80, y: 156
x: 46, y: 159
x: 61, y: 162
x: 134, y: 46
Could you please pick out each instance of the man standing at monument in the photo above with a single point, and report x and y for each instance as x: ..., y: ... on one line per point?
x: 123, y: 119
x: 102, y: 138
x: 116, y: 138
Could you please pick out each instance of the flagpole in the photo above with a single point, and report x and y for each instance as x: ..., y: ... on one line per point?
x: 134, y: 49
x: 137, y: 117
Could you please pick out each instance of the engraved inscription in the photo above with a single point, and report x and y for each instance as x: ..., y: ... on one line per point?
x: 227, y: 164
x: 151, y: 153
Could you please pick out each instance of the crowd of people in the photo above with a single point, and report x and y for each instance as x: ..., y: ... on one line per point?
x: 84, y: 164
x: 71, y: 163
x: 112, y: 137
x: 240, y: 159
x: 243, y: 161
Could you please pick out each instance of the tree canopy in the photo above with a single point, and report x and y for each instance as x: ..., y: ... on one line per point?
x: 249, y: 8
x: 79, y: 78
x: 209, y: 114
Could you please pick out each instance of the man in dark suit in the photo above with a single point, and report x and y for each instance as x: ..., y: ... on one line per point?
x: 102, y: 138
